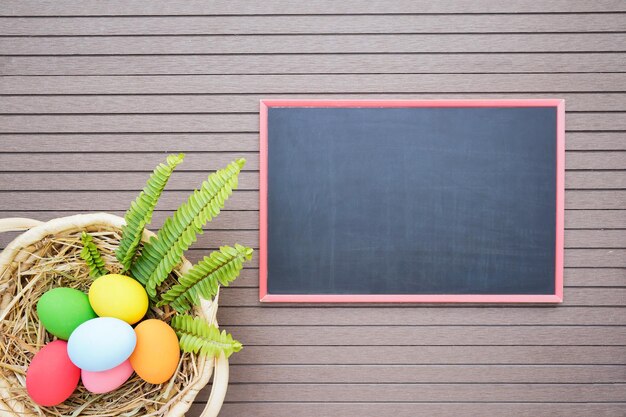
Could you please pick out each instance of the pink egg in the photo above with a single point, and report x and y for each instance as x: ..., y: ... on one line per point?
x: 106, y: 381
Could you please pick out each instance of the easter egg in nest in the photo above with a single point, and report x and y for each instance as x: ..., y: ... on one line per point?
x: 51, y: 376
x: 157, y: 353
x: 61, y: 310
x: 106, y: 381
x: 118, y: 296
x: 101, y: 344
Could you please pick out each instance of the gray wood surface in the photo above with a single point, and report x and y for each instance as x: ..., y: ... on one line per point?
x: 438, y: 392
x: 313, y: 83
x: 249, y: 103
x: 93, y: 94
x: 238, y: 7
x: 312, y: 44
x: 273, y: 24
x: 300, y: 63
x: 412, y: 409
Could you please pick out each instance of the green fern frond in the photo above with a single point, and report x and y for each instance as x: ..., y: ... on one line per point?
x: 140, y: 212
x: 204, y: 279
x: 91, y: 256
x: 161, y: 254
x: 131, y: 252
x: 195, y: 335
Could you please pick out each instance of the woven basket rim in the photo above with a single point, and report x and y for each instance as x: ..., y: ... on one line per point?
x: 36, y: 231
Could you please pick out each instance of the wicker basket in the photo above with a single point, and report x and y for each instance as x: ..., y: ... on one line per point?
x: 21, y: 335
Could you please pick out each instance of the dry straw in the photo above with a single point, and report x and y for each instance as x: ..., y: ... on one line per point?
x: 48, y: 256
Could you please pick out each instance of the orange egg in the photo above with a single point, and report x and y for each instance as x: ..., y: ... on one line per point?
x: 156, y: 354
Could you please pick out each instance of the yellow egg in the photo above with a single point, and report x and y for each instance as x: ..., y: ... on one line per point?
x: 118, y: 296
x: 156, y: 354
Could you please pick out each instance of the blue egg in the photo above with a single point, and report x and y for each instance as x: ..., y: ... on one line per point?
x: 101, y: 344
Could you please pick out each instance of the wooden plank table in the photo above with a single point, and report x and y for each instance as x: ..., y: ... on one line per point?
x: 94, y: 94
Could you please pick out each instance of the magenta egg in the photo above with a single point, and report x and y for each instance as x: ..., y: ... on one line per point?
x: 51, y: 376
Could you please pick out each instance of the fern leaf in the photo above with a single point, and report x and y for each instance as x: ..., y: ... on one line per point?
x: 196, y: 335
x: 161, y: 254
x: 91, y: 256
x: 204, y: 279
x: 131, y: 252
x: 140, y: 212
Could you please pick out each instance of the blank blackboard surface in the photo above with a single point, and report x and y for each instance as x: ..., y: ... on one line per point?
x: 411, y: 200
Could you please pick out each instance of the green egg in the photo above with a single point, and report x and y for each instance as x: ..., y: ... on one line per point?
x: 61, y: 310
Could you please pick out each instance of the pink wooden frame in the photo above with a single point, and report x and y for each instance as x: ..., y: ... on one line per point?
x: 557, y: 297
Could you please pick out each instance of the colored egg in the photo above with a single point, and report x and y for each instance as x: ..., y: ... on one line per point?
x: 101, y: 344
x: 106, y: 381
x: 157, y: 353
x: 118, y: 296
x: 51, y: 377
x: 61, y: 310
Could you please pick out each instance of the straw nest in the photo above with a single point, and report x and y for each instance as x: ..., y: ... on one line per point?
x: 54, y: 261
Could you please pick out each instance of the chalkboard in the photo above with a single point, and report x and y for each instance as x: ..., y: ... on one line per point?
x: 412, y: 201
